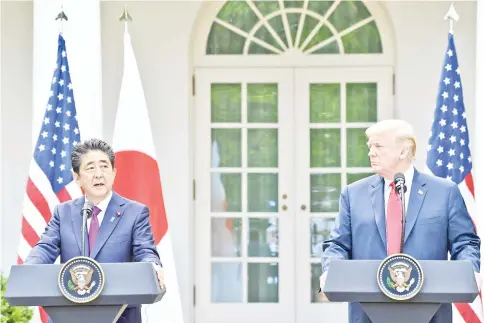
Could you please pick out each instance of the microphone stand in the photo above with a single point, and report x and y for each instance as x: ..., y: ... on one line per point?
x: 86, y: 214
x: 401, y: 194
x: 84, y: 226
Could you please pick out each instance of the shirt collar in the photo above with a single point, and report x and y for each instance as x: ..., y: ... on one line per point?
x: 408, y: 177
x: 103, y: 205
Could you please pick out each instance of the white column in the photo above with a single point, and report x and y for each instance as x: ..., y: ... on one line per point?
x: 477, y: 147
x: 82, y: 33
x: 1, y: 147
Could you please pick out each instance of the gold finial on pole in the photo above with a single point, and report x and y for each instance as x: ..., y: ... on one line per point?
x: 125, y: 16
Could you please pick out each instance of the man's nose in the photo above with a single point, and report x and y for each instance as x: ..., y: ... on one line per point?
x: 98, y: 172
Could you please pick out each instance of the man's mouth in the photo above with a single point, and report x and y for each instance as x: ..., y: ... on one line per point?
x: 98, y: 185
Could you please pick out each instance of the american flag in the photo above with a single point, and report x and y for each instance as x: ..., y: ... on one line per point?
x: 449, y: 154
x: 50, y: 179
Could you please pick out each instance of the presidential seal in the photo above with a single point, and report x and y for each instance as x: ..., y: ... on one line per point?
x: 400, y: 277
x: 81, y: 279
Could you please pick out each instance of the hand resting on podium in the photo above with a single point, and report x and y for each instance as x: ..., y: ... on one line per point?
x: 322, y: 282
x: 160, y: 274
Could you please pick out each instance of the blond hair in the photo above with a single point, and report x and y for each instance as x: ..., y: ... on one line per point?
x: 402, y: 130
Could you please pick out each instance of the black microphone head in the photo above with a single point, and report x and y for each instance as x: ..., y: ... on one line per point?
x: 398, y: 177
x: 399, y: 180
x: 87, y: 208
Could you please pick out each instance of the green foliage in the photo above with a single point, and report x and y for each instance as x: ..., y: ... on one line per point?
x: 390, y: 284
x: 11, y: 314
x: 70, y: 284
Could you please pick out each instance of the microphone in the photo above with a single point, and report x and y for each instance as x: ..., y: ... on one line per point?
x: 401, y: 189
x: 399, y: 181
x: 86, y: 214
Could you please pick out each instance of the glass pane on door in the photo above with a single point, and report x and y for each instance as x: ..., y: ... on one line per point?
x: 245, y: 143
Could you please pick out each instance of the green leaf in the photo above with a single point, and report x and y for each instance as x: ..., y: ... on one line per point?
x: 70, y: 284
x: 390, y: 284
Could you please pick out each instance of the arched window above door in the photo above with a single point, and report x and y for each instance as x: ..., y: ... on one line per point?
x: 308, y: 26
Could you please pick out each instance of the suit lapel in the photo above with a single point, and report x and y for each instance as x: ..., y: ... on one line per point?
x: 378, y: 202
x: 109, y: 223
x: 417, y: 196
x: 76, y: 217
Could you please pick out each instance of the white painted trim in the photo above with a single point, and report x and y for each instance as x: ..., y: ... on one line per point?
x: 209, y: 12
x: 1, y: 77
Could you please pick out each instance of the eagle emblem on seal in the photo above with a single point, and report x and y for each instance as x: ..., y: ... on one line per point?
x: 81, y: 279
x: 400, y: 275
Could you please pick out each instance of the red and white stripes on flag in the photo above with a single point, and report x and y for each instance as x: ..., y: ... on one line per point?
x: 470, y: 313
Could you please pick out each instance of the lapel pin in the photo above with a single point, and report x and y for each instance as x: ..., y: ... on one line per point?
x: 420, y: 192
x: 112, y: 219
x: 118, y: 213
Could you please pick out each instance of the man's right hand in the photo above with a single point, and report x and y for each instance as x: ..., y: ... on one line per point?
x: 322, y: 282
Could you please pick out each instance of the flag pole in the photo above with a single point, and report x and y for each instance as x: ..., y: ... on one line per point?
x: 61, y: 17
x: 452, y: 16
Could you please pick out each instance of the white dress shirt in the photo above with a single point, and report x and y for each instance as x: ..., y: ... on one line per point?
x: 103, y: 205
x: 408, y: 182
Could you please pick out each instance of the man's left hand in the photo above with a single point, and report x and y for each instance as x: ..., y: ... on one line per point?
x: 478, y: 281
x: 161, y: 275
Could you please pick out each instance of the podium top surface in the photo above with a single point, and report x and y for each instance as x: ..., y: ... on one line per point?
x: 445, y: 282
x: 125, y: 283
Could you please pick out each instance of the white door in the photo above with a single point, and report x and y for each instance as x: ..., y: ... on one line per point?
x: 274, y: 147
x: 333, y: 107
x: 244, y: 214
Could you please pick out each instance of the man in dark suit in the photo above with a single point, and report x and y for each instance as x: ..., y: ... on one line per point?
x: 437, y: 221
x: 118, y: 231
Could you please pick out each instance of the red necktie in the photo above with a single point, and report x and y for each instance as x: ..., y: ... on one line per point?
x: 93, y: 228
x: 394, y: 222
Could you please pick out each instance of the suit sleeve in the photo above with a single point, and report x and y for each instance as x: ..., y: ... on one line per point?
x: 338, y: 246
x: 463, y: 241
x: 47, y: 249
x: 144, y: 248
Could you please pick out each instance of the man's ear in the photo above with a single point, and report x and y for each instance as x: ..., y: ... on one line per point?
x: 404, y: 153
x: 76, y: 178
